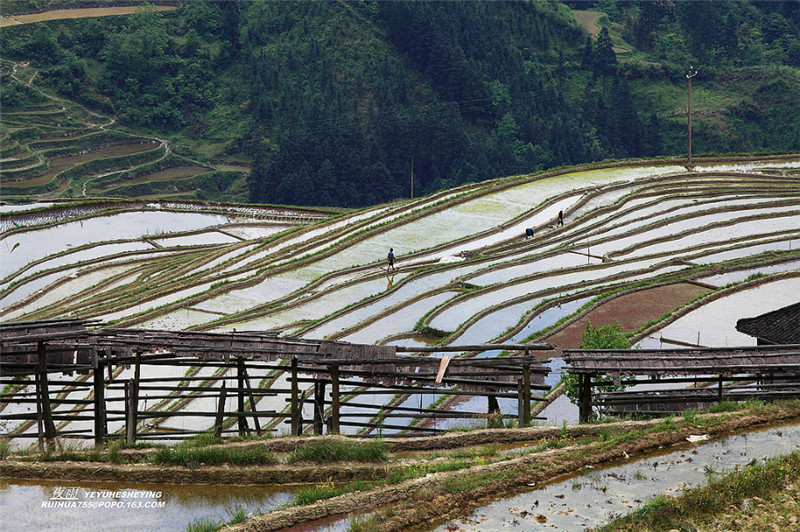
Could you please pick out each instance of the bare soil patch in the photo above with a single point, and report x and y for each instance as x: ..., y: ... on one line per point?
x: 632, y: 311
x: 588, y: 20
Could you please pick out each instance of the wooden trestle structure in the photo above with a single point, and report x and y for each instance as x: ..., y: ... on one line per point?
x: 672, y: 381
x: 31, y: 352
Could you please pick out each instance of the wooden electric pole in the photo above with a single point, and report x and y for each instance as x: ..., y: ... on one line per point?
x: 412, y: 178
x: 689, y: 75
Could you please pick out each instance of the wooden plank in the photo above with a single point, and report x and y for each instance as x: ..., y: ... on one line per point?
x: 442, y: 368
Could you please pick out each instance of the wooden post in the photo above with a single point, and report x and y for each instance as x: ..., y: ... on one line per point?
x: 319, y: 406
x: 719, y: 390
x: 127, y: 402
x: 133, y: 410
x: 137, y: 369
x: 334, y: 426
x: 297, y: 420
x: 130, y: 411
x: 243, y: 428
x: 689, y: 75
x: 252, y: 399
x: 99, y: 405
x: 223, y: 393
x: 526, y: 394
x: 494, y: 406
x: 44, y: 394
x: 584, y: 398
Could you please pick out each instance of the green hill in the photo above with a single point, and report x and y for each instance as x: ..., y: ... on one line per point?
x: 335, y: 103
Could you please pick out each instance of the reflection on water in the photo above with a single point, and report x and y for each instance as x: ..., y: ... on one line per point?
x: 36, y: 244
x: 714, y: 324
x: 70, y: 505
x: 742, y: 275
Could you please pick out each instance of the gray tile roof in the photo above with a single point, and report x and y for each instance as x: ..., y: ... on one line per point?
x: 780, y: 326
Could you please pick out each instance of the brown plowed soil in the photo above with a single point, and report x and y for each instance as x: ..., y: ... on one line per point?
x: 632, y: 311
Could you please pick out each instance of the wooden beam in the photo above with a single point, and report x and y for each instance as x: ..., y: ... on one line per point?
x: 131, y: 408
x: 297, y: 420
x: 240, y: 373
x: 584, y: 398
x: 99, y: 405
x: 220, y: 412
x: 526, y: 395
x: 334, y: 425
x: 44, y: 395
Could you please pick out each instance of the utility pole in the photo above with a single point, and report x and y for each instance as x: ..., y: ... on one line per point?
x: 689, y: 75
x: 412, y: 178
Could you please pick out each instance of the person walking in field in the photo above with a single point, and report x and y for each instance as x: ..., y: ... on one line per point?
x: 390, y: 258
x: 560, y: 222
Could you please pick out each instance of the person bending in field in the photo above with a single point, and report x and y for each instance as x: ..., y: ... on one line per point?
x: 390, y: 258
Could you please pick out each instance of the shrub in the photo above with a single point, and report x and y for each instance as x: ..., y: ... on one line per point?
x: 604, y: 337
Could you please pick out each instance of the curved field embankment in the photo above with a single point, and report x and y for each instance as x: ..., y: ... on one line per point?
x: 60, y: 146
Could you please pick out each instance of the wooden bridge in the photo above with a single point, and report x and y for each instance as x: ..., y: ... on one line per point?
x: 675, y: 380
x: 31, y: 352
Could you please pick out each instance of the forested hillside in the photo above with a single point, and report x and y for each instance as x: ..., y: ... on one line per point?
x: 334, y: 103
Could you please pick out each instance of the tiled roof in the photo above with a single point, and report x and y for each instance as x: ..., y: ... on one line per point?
x: 780, y: 326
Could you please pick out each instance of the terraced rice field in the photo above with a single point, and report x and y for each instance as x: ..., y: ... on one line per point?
x: 53, y: 147
x: 466, y: 274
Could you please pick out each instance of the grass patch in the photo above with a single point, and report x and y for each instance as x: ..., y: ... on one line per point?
x: 330, y: 450
x: 189, y: 455
x: 396, y: 476
x: 703, y: 504
x: 5, y: 448
x: 463, y: 483
x: 327, y: 491
x: 365, y: 524
x: 489, y: 450
x: 204, y: 525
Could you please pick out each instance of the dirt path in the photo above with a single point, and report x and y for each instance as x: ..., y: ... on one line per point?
x: 60, y: 14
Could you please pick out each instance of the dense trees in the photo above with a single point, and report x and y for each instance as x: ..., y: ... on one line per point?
x: 468, y: 91
x: 332, y: 103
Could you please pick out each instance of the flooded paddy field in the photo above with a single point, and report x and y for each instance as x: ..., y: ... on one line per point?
x: 466, y: 274
x: 714, y: 324
x: 595, y: 496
